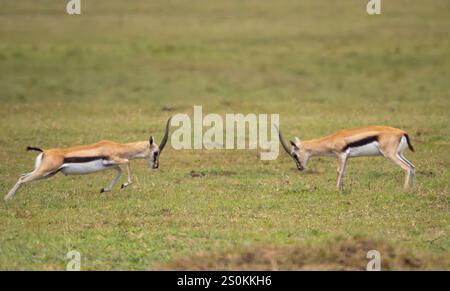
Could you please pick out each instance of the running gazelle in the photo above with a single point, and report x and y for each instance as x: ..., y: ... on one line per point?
x: 87, y: 159
x: 356, y: 142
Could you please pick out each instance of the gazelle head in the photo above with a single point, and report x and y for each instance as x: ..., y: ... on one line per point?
x: 155, y: 150
x: 295, y: 151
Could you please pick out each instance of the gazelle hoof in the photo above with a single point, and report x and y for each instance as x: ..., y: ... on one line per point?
x: 104, y: 190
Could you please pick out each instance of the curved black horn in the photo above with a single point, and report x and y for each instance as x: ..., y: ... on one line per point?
x: 166, y: 136
x: 283, y: 143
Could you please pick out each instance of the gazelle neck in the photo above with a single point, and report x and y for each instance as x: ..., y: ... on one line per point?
x: 316, y: 147
x: 135, y: 150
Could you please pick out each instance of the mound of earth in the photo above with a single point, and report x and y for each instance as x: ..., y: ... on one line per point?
x: 336, y: 254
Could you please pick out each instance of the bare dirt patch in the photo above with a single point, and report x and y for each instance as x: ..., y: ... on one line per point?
x: 337, y: 254
x: 196, y: 174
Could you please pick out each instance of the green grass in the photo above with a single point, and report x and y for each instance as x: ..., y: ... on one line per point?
x: 108, y: 74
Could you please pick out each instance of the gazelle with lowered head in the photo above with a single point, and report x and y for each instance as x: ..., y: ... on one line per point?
x: 356, y: 142
x: 86, y: 159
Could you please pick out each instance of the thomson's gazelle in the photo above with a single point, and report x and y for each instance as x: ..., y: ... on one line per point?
x: 365, y: 141
x: 87, y: 159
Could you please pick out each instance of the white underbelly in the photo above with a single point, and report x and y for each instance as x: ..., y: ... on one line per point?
x: 84, y: 168
x: 370, y: 149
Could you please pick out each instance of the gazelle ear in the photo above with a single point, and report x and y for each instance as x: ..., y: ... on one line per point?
x: 297, y: 140
x: 150, y: 140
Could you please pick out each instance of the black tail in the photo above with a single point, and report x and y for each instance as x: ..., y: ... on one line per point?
x: 34, y: 149
x: 409, y: 143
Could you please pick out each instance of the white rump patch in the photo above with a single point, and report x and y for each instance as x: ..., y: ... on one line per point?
x: 38, y: 161
x: 402, y: 145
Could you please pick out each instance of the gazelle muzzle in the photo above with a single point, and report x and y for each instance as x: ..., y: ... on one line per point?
x: 297, y: 161
x: 154, y: 159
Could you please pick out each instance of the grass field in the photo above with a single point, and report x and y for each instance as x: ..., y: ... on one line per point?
x: 122, y: 68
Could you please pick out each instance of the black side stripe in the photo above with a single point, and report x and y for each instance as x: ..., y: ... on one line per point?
x: 84, y: 159
x: 361, y: 142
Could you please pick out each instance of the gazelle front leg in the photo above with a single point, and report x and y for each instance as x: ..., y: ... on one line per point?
x: 114, y: 181
x: 115, y: 161
x: 342, y: 160
x: 129, y: 181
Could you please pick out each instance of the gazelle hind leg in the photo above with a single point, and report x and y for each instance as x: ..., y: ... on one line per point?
x: 16, y: 187
x: 114, y: 181
x: 393, y: 149
x: 42, y: 170
x: 412, y: 169
x: 402, y: 164
x: 35, y: 175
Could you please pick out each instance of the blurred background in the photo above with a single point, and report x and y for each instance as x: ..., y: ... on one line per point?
x: 118, y: 70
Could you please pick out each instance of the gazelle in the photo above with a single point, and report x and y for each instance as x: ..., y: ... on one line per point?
x: 357, y: 142
x: 87, y: 159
